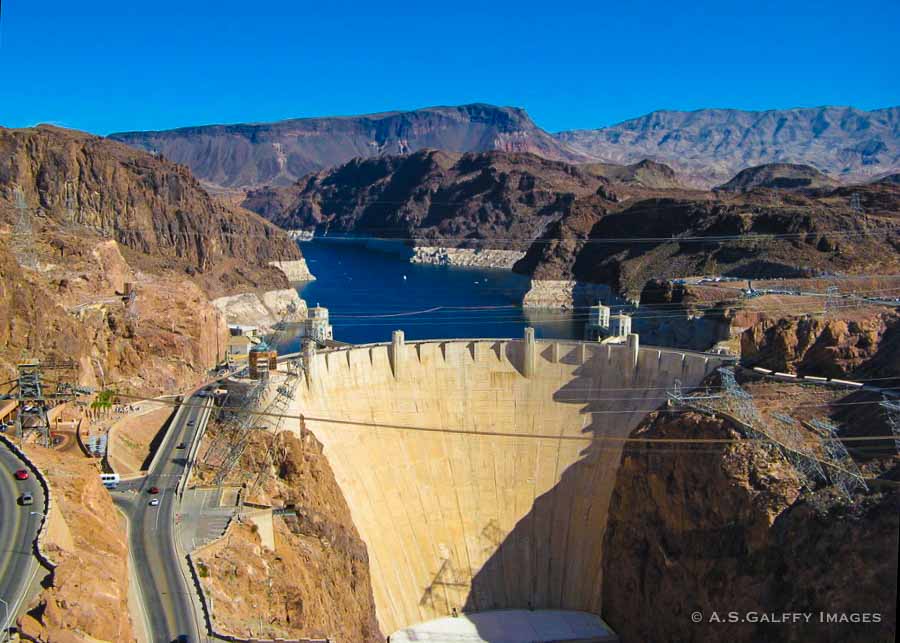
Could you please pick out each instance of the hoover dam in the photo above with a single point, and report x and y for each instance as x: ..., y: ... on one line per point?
x: 479, y: 472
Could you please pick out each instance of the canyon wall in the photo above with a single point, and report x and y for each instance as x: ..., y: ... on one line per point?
x: 88, y: 185
x: 722, y: 528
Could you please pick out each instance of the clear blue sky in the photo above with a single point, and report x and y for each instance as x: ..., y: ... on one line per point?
x: 112, y: 65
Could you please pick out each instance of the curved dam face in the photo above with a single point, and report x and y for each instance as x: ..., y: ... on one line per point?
x: 512, y: 518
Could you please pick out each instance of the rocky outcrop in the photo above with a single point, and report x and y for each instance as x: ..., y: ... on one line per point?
x: 486, y: 200
x: 168, y: 336
x: 645, y: 173
x: 87, y: 185
x: 778, y: 176
x: 316, y: 581
x: 280, y: 153
x: 295, y: 270
x: 88, y: 600
x: 712, y: 145
x: 563, y: 294
x: 263, y: 310
x: 861, y: 344
x: 787, y: 235
x: 727, y: 529
x: 480, y: 257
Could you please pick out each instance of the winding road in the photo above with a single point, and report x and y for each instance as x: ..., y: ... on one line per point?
x: 159, y: 566
x: 19, y: 526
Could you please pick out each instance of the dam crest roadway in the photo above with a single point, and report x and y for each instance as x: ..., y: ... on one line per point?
x: 457, y: 523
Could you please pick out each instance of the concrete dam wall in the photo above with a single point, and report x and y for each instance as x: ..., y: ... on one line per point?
x: 512, y: 518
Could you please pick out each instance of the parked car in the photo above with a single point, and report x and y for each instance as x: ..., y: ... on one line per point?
x: 153, y: 490
x: 21, y: 474
x: 26, y: 499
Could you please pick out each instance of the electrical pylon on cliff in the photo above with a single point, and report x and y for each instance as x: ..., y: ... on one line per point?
x: 37, y: 392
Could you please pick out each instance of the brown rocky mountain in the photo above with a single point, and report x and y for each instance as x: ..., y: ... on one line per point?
x: 152, y: 207
x: 80, y: 217
x: 778, y: 176
x: 706, y: 147
x: 857, y: 345
x: 645, y: 173
x: 730, y: 529
x: 712, y: 145
x: 496, y: 199
x: 573, y: 218
x: 778, y: 234
x: 279, y: 153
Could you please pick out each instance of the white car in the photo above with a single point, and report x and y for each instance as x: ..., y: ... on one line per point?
x: 154, y: 502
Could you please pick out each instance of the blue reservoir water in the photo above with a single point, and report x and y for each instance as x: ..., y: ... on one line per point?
x: 370, y: 292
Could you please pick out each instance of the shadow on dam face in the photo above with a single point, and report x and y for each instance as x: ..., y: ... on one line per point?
x: 511, y: 518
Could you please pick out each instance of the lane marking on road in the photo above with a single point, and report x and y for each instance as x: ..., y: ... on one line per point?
x: 159, y: 510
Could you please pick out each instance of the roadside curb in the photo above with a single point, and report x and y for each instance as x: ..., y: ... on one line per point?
x: 39, y: 552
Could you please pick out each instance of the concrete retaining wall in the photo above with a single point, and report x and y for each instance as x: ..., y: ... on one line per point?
x: 511, y: 518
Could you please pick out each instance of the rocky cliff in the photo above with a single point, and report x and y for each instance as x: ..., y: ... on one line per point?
x: 84, y: 184
x: 317, y: 578
x: 73, y: 309
x: 491, y: 199
x: 722, y: 530
x: 758, y: 234
x: 864, y: 344
x: 712, y: 145
x: 279, y: 153
x: 88, y: 600
x: 84, y: 219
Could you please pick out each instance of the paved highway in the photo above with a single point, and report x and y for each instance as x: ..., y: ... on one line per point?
x: 167, y: 598
x: 18, y: 529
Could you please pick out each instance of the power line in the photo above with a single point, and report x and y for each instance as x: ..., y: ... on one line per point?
x: 887, y: 229
x: 533, y: 436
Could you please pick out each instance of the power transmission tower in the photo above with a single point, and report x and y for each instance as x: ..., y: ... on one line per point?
x: 36, y: 394
x: 855, y: 202
x: 832, y: 296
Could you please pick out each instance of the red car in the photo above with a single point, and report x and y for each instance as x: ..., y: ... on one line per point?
x: 21, y: 474
x: 153, y: 490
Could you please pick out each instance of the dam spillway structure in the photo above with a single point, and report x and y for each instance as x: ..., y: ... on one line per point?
x: 479, y: 471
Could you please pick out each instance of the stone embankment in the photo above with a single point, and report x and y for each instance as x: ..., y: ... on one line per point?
x: 474, y: 257
x: 563, y: 294
x: 294, y: 270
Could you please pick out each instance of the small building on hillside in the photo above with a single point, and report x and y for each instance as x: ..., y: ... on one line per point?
x: 238, y: 346
x: 243, y: 330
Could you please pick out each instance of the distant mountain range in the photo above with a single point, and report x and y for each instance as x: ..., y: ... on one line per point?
x: 282, y: 152
x: 711, y: 145
x: 706, y: 147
